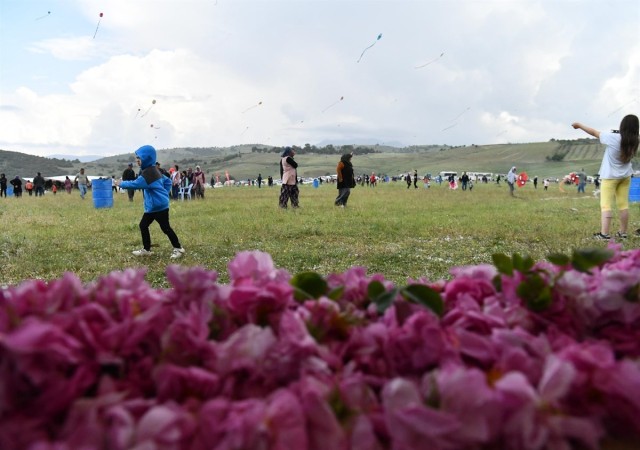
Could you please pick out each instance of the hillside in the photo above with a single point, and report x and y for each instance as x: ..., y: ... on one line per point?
x: 553, y: 158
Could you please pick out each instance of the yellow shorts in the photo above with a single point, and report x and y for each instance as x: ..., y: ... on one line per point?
x: 615, y: 191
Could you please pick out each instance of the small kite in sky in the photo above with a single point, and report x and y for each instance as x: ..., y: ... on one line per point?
x: 45, y: 16
x: 251, y: 107
x: 157, y: 128
x: 137, y: 112
x: 429, y: 62
x: 97, y: 26
x: 449, y: 127
x: 153, y: 102
x: 374, y: 43
x: 333, y: 104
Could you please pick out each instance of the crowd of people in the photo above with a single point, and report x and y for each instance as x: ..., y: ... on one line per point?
x: 614, y: 177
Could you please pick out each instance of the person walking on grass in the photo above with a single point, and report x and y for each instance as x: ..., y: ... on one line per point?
x: 38, y: 184
x: 511, y: 180
x: 289, y: 177
x: 615, y: 173
x: 346, y: 179
x: 156, y: 188
x: 83, y: 182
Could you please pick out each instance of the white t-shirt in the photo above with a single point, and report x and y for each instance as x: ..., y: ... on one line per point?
x: 612, y: 168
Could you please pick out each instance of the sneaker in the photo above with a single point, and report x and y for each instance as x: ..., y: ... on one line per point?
x: 621, y: 235
x: 601, y: 237
x: 177, y: 253
x: 142, y: 252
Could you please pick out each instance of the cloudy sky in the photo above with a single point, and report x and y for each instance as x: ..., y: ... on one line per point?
x: 225, y: 72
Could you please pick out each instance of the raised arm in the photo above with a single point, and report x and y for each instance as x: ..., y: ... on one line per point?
x: 592, y: 131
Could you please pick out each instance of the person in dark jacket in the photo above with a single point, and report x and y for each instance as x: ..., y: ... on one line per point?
x: 3, y: 186
x: 156, y: 201
x: 17, y: 186
x: 129, y: 175
x: 38, y: 184
x: 346, y: 179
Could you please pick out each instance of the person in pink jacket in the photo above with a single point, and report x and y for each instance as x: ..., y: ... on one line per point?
x: 289, y: 176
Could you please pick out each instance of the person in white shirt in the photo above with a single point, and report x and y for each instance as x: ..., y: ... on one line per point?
x: 615, y: 172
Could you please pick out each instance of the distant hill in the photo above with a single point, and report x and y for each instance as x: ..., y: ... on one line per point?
x: 544, y: 159
x: 84, y: 158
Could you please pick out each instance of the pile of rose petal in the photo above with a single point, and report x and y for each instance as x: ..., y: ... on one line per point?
x: 117, y: 364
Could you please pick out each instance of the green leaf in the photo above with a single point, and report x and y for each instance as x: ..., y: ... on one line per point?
x: 375, y: 289
x: 522, y: 263
x: 503, y: 263
x: 308, y: 285
x: 425, y: 296
x: 336, y: 294
x: 535, y: 292
x: 559, y: 259
x: 384, y: 300
x: 584, y: 259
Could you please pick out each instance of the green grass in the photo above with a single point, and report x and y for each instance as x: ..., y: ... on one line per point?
x: 398, y: 232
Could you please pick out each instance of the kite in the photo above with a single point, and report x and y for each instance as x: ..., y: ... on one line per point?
x: 153, y: 102
x: 522, y: 179
x: 45, y: 16
x: 97, y: 26
x: 251, y: 107
x: 157, y: 128
x: 137, y: 112
x: 461, y: 114
x: 429, y: 62
x: 333, y: 104
x: 244, y: 131
x: 374, y: 43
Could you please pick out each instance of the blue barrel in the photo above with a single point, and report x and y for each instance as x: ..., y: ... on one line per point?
x: 316, y: 183
x: 9, y: 190
x: 634, y: 190
x: 102, y: 193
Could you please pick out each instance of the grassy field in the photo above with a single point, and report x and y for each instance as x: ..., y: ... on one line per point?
x: 399, y: 232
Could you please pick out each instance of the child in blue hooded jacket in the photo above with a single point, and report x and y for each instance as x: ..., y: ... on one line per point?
x: 156, y: 201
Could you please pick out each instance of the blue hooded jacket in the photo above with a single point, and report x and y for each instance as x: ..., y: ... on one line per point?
x: 155, y: 185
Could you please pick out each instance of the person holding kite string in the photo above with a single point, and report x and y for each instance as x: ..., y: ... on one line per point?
x: 156, y: 189
x: 346, y: 179
x: 511, y: 180
x: 615, y: 172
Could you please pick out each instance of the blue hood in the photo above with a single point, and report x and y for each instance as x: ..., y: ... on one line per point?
x: 147, y: 155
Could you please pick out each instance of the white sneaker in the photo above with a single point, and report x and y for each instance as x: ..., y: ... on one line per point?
x: 142, y: 252
x: 177, y: 253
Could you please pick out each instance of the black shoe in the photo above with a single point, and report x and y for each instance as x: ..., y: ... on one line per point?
x: 621, y: 235
x: 601, y: 237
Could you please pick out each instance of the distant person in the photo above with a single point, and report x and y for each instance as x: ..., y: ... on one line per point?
x: 83, y: 182
x: 199, y: 181
x: 3, y: 186
x: 129, y: 175
x: 582, y: 181
x: 511, y: 180
x: 346, y: 179
x: 29, y: 187
x: 156, y: 189
x: 407, y: 180
x: 259, y: 180
x: 38, y: 185
x: 54, y: 188
x: 464, y: 181
x: 289, y: 175
x: 176, y: 182
x: 114, y: 187
x: 498, y: 180
x: 162, y: 171
x: 270, y: 181
x: 415, y: 179
x: 68, y: 185
x: 17, y: 186
x: 535, y: 182
x: 546, y: 184
x: 615, y: 172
